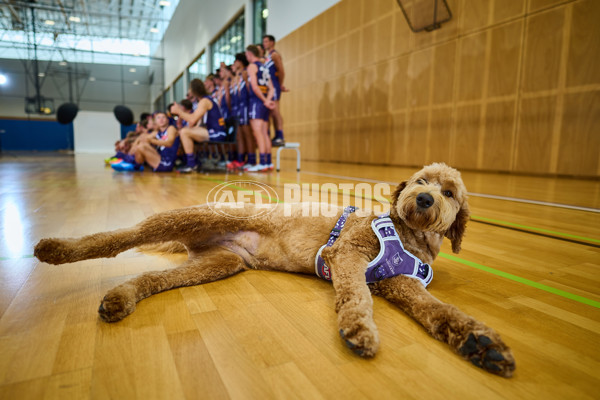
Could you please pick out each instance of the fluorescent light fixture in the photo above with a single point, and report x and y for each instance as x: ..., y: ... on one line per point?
x: 74, y: 19
x: 164, y: 3
x: 132, y: 69
x: 136, y: 82
x: 2, y: 79
x: 41, y: 74
x: 92, y: 79
x: 265, y: 13
x: 62, y: 63
x: 154, y: 30
x: 49, y: 22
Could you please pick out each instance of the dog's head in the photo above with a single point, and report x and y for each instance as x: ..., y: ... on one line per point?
x: 434, y: 200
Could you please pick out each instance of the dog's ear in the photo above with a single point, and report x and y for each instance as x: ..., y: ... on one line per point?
x: 457, y: 229
x: 396, y: 193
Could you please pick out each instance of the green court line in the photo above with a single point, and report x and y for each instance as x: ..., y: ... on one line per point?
x: 524, y: 281
x: 531, y: 228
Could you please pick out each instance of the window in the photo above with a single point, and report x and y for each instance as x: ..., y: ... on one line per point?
x: 158, y: 104
x: 261, y: 12
x: 178, y: 89
x: 198, y: 68
x: 166, y: 99
x: 228, y: 44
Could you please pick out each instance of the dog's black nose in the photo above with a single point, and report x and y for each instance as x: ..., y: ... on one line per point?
x: 424, y: 200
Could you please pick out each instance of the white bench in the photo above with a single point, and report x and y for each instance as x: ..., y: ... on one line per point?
x: 295, y: 146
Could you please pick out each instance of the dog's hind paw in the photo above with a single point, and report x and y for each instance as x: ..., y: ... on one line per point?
x: 116, y: 305
x: 492, y: 356
x: 362, y: 342
x: 53, y: 251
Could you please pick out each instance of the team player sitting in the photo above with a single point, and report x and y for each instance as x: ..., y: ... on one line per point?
x: 159, y: 151
x: 204, y: 124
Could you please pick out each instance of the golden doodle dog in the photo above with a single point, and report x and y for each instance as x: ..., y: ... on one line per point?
x: 431, y: 205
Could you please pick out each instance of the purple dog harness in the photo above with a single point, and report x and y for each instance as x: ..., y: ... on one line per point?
x: 392, y: 259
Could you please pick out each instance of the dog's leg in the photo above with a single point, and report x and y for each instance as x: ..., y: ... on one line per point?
x: 353, y: 303
x: 187, y: 225
x: 208, y: 266
x: 468, y: 337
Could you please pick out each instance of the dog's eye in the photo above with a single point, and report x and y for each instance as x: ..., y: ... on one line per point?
x: 422, y: 181
x: 448, y: 193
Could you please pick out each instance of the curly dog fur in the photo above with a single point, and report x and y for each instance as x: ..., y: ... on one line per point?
x: 219, y: 247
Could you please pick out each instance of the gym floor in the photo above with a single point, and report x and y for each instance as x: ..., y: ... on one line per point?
x: 528, y: 269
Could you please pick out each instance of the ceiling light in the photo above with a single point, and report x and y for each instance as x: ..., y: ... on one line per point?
x: 164, y: 3
x: 154, y: 30
x: 41, y: 74
x: 92, y: 79
x: 62, y: 63
x: 49, y: 22
x: 131, y: 69
x: 136, y: 82
x: 265, y: 13
x: 74, y: 19
x: 2, y: 79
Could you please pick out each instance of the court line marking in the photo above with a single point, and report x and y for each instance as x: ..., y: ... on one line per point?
x: 550, y: 289
x: 491, y: 196
x: 506, y: 224
x: 526, y: 228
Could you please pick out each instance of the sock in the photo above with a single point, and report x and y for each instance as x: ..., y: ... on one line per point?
x: 130, y: 158
x: 121, y: 155
x: 231, y: 155
x: 252, y: 158
x: 241, y: 157
x: 269, y: 158
x: 191, y: 160
x: 263, y: 158
x: 279, y: 134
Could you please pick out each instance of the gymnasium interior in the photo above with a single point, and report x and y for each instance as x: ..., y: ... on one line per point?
x: 505, y: 91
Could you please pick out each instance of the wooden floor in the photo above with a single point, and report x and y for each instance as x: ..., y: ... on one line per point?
x: 530, y: 271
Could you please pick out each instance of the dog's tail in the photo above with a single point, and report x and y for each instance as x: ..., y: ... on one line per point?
x: 163, y: 248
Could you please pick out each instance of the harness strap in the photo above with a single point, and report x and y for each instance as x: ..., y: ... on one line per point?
x: 392, y: 259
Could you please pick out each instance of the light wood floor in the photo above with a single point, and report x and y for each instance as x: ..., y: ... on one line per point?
x: 265, y: 335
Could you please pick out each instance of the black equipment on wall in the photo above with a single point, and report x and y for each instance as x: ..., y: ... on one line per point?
x: 425, y: 15
x: 123, y: 114
x: 66, y: 113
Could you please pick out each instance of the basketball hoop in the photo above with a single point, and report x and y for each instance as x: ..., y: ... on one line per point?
x: 425, y: 15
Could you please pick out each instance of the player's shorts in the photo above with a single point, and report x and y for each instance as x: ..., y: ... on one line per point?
x: 257, y: 110
x: 216, y: 136
x: 165, y: 165
x: 242, y: 114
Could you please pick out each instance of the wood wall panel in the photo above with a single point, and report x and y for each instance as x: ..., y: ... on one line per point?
x: 580, y: 140
x: 534, y: 141
x: 584, y: 47
x: 498, y: 137
x: 504, y: 86
x: 470, y: 66
x: 543, y: 50
x: 504, y: 59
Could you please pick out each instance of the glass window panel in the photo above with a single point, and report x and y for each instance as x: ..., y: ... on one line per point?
x: 178, y: 90
x: 261, y: 13
x: 228, y: 44
x: 198, y: 68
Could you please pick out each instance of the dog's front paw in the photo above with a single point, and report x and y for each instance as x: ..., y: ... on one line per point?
x: 486, y: 350
x: 53, y: 251
x: 117, y: 304
x: 362, y: 338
